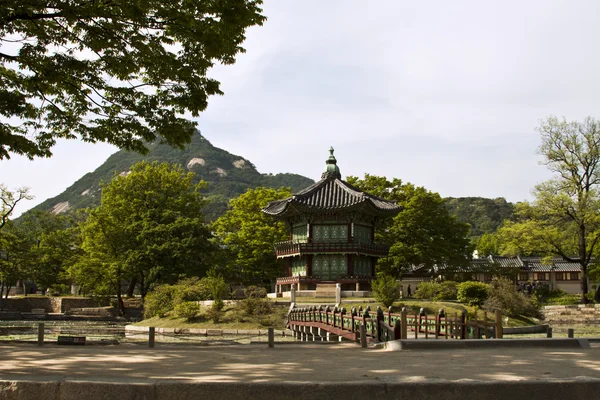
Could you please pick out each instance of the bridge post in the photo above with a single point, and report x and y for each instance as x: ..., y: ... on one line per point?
x: 499, y: 329
x: 397, y: 330
x: 463, y: 324
x: 353, y: 313
x: 380, y: 320
x: 438, y: 322
x: 363, y: 336
x: 403, y: 323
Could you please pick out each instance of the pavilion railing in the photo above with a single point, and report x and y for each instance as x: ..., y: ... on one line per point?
x: 291, y: 247
x: 383, y: 326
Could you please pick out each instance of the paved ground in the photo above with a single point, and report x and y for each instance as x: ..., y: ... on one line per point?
x: 290, y: 363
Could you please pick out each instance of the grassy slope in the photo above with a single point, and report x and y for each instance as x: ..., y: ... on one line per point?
x: 233, y: 320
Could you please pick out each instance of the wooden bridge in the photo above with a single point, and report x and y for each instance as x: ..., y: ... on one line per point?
x: 318, y: 323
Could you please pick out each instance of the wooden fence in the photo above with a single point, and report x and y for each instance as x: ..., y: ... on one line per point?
x: 382, y: 326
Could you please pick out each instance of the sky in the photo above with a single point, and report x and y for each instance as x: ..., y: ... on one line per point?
x: 442, y: 94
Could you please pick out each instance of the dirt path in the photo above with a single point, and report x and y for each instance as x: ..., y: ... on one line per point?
x: 290, y: 363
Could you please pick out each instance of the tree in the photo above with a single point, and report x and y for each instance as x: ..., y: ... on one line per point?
x: 564, y: 218
x: 424, y: 232
x: 248, y: 236
x: 9, y: 200
x: 150, y: 227
x: 488, y: 245
x: 115, y: 71
x: 43, y: 245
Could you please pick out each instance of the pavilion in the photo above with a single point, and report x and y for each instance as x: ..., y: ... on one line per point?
x: 332, y: 226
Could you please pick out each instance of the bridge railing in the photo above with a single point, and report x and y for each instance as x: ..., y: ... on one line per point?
x: 383, y: 326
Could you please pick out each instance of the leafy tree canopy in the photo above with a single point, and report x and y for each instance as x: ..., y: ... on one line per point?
x: 424, y: 232
x: 564, y: 219
x: 149, y: 226
x: 248, y: 236
x: 40, y: 246
x: 116, y: 71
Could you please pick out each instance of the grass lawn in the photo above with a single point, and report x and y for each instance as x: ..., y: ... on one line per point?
x: 235, y: 319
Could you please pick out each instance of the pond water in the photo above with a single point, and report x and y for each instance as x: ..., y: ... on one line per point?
x: 98, y: 331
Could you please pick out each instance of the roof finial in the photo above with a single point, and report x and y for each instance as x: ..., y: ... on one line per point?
x: 331, y: 171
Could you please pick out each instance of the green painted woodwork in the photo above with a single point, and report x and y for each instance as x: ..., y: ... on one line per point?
x: 330, y: 266
x: 362, y: 266
x: 299, y: 266
x: 362, y: 234
x: 300, y: 234
x: 330, y: 233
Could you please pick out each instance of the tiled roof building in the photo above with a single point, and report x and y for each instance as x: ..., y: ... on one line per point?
x: 556, y: 272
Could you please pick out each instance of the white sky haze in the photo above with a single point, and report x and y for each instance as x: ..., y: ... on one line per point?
x: 443, y: 94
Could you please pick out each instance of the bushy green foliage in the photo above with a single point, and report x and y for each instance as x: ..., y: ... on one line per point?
x: 503, y: 296
x: 159, y: 301
x: 437, y: 291
x: 191, y: 289
x: 187, y: 309
x: 448, y: 291
x: 248, y: 235
x: 423, y: 233
x: 427, y: 290
x: 254, y: 305
x: 163, y: 299
x: 386, y: 289
x: 483, y: 215
x: 120, y: 72
x: 215, y: 312
x: 472, y: 293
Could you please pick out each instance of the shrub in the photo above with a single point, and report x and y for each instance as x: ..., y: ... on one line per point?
x: 187, y: 309
x: 448, y: 291
x: 503, y: 296
x: 255, y: 303
x: 59, y: 289
x: 191, y: 289
x: 427, y: 290
x: 215, y: 312
x: 218, y: 289
x: 386, y: 289
x: 472, y: 293
x: 159, y: 301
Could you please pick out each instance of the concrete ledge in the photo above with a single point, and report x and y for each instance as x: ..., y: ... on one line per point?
x: 525, y: 329
x: 574, y: 389
x: 432, y: 344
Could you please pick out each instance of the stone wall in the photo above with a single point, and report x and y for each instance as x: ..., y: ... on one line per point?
x: 573, y: 389
x: 575, y: 314
x: 51, y: 304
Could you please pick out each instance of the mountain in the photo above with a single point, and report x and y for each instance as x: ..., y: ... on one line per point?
x: 484, y: 215
x: 228, y: 176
